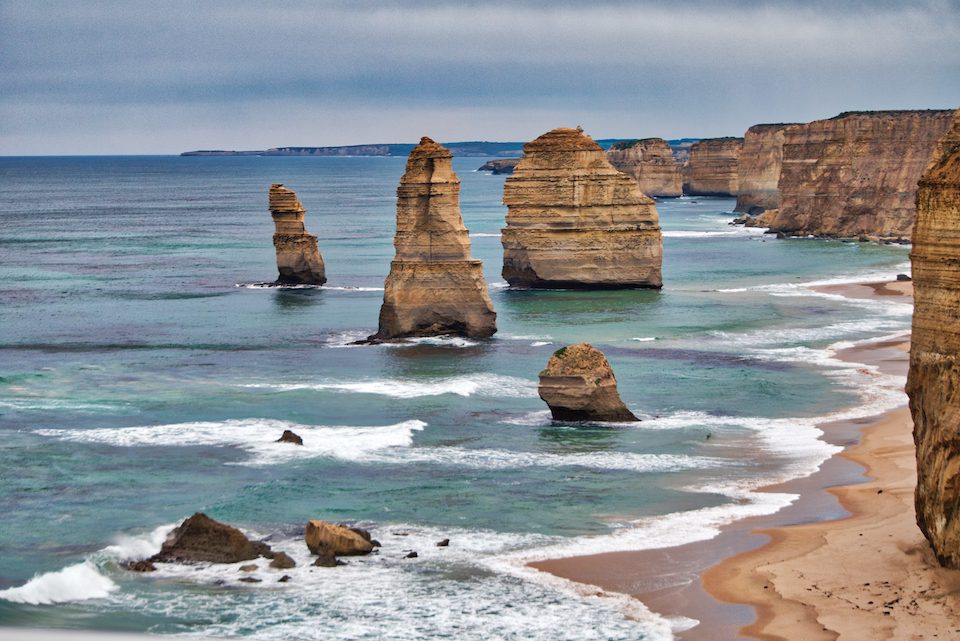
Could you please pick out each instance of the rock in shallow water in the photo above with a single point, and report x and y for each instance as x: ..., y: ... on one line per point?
x: 290, y: 437
x: 298, y: 257
x: 578, y: 385
x: 338, y: 540
x: 200, y: 538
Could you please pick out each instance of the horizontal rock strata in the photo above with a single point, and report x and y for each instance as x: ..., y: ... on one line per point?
x: 650, y: 162
x: 713, y: 167
x: 434, y: 286
x: 758, y: 171
x: 933, y: 383
x: 574, y: 221
x: 578, y: 385
x: 298, y: 257
x: 856, y: 174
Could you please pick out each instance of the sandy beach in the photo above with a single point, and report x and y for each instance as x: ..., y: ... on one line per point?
x: 845, y: 561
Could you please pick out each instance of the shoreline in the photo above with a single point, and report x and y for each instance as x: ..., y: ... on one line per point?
x: 774, y: 577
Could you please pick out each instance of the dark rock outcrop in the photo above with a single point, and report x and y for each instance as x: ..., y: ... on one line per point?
x: 578, y: 385
x: 434, y: 287
x: 933, y: 383
x: 650, y: 162
x: 574, y: 221
x: 282, y: 561
x: 500, y: 166
x: 856, y: 174
x: 289, y: 436
x: 298, y: 257
x: 758, y: 171
x: 713, y: 167
x: 202, y: 539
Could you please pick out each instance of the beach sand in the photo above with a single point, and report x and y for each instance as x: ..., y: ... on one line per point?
x: 845, y: 561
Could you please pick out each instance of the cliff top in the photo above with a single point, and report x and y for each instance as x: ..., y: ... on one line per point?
x: 429, y: 148
x: 562, y: 139
x: 629, y: 144
x: 894, y: 112
x: 576, y: 360
x: 945, y: 166
x: 770, y: 126
x: 283, y: 199
x: 705, y: 142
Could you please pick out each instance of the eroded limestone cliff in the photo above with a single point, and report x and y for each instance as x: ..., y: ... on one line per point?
x: 574, y: 221
x: 933, y: 383
x: 434, y: 286
x: 758, y: 171
x: 650, y: 162
x: 298, y: 257
x: 856, y: 174
x: 712, y: 169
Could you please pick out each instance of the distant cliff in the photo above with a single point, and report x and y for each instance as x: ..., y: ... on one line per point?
x: 856, y: 174
x: 758, y: 172
x: 712, y: 169
x: 650, y: 162
x: 470, y: 148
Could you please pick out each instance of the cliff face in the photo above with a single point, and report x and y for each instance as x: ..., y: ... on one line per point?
x: 758, y: 171
x: 933, y: 383
x: 712, y: 169
x: 650, y: 162
x: 298, y: 258
x: 574, y: 221
x: 434, y: 287
x: 856, y: 174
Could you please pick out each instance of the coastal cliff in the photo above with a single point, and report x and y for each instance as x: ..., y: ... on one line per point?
x: 298, y: 257
x: 933, y: 383
x: 758, y: 171
x: 650, y: 162
x: 856, y: 174
x: 434, y: 286
x: 574, y: 221
x: 712, y: 168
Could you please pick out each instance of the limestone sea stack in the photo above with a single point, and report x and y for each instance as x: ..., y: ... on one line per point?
x: 713, y: 167
x: 933, y: 382
x: 650, y: 162
x: 856, y: 174
x: 298, y: 258
x: 434, y: 287
x: 578, y: 385
x: 575, y: 221
x: 758, y: 171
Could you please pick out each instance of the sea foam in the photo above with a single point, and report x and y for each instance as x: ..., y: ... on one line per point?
x: 487, y: 385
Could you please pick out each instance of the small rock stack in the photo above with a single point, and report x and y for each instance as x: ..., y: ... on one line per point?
x: 578, y: 385
x: 298, y: 257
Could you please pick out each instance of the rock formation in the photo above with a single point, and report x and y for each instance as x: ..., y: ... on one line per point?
x: 578, y: 385
x: 434, y: 288
x: 326, y: 538
x: 290, y: 436
x: 856, y: 174
x: 650, y: 162
x: 298, y: 258
x: 574, y: 221
x: 758, y: 171
x: 713, y: 167
x: 500, y: 166
x: 200, y: 538
x: 933, y: 383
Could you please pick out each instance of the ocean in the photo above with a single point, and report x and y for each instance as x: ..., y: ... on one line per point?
x: 145, y: 373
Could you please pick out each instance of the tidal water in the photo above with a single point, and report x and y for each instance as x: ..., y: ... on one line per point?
x: 144, y: 376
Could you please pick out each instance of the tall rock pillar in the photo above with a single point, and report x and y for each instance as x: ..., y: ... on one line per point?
x: 298, y: 258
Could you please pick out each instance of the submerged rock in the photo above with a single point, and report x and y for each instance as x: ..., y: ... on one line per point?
x: 298, y: 257
x: 713, y: 167
x: 282, y: 561
x: 578, y: 385
x: 650, y: 162
x: 933, y: 383
x: 140, y: 566
x: 200, y: 538
x: 575, y: 221
x: 290, y: 437
x: 434, y: 287
x: 338, y: 540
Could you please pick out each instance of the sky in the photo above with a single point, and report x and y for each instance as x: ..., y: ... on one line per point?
x: 164, y: 76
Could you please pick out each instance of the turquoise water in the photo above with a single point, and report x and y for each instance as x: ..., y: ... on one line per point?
x: 143, y: 377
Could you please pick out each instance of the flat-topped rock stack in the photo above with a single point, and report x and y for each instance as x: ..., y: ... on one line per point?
x: 713, y: 167
x: 575, y: 221
x: 650, y: 162
x: 578, y: 385
x: 758, y: 172
x: 434, y: 287
x: 933, y: 383
x: 856, y: 174
x: 298, y: 257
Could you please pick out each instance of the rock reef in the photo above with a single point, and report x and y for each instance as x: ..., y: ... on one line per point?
x: 758, y: 172
x: 650, y: 162
x: 856, y: 174
x: 500, y: 166
x: 337, y: 540
x: 933, y: 383
x: 713, y: 167
x: 298, y: 257
x: 202, y: 539
x: 575, y: 221
x: 434, y: 287
x: 578, y: 385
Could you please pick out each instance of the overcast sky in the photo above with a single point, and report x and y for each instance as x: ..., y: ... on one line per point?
x: 99, y: 77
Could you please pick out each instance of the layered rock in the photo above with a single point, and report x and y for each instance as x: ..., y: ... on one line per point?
x: 856, y: 174
x: 933, y: 383
x: 713, y: 167
x: 575, y: 221
x: 202, y: 539
x: 500, y: 166
x: 758, y: 171
x: 650, y: 162
x: 578, y: 385
x: 298, y: 257
x: 328, y: 539
x: 434, y: 286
